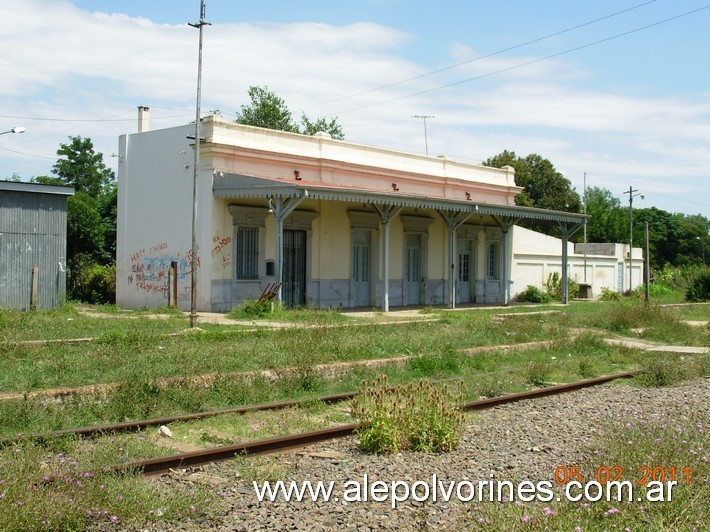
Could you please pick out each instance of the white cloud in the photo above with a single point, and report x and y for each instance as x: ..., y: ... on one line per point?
x: 68, y: 63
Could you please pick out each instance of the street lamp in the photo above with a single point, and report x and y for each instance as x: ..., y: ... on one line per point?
x: 702, y: 243
x: 14, y: 130
x: 632, y: 192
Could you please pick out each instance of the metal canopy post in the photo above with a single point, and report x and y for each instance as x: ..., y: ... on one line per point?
x: 282, y: 208
x: 566, y: 234
x: 505, y: 223
x: 387, y: 214
x: 453, y: 220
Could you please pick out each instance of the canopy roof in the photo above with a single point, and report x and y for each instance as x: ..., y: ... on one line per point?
x: 230, y: 185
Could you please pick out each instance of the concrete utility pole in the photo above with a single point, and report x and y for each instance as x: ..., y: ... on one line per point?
x: 195, y: 182
x: 585, y: 227
x: 702, y: 243
x: 632, y: 192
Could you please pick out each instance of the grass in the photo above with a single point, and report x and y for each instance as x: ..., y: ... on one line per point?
x: 119, y: 356
x: 67, y: 322
x: 261, y: 310
x: 62, y: 485
x: 133, y: 353
x: 233, y: 428
x: 137, y: 363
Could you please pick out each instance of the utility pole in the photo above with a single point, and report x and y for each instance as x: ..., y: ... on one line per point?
x: 647, y: 267
x: 702, y: 243
x: 585, y: 227
x: 426, y: 142
x: 196, y: 176
x: 632, y: 192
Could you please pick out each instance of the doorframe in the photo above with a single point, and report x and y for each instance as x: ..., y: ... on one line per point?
x: 419, y: 225
x: 302, y: 220
x: 371, y: 267
x: 365, y: 221
x: 471, y: 268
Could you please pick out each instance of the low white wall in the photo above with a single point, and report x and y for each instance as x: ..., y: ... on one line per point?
x: 537, y: 256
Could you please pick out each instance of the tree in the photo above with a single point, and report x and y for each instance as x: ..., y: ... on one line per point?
x: 266, y: 110
x: 665, y: 234
x: 91, y: 213
x: 269, y: 111
x: 108, y: 209
x: 331, y: 127
x: 543, y: 186
x: 82, y: 168
x: 85, y: 227
x: 608, y: 221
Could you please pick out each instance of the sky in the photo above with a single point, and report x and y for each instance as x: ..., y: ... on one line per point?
x: 618, y: 90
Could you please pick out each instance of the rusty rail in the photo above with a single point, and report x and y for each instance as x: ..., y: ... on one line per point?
x: 295, y: 441
x: 141, y: 424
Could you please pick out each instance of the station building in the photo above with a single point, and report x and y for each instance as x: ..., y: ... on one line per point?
x: 336, y: 224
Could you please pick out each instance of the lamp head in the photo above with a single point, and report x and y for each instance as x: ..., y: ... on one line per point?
x: 18, y: 130
x: 643, y: 196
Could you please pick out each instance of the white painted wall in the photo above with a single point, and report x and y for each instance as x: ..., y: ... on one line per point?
x: 155, y: 180
x: 536, y: 256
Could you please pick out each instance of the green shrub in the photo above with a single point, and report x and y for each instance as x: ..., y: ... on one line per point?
x: 417, y: 417
x: 537, y: 373
x: 553, y: 286
x: 699, y: 287
x: 658, y: 373
x: 91, y: 282
x: 252, y: 308
x: 101, y: 284
x: 532, y: 294
x: 609, y: 295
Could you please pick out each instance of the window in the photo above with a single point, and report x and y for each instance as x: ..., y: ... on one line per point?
x: 246, y: 253
x: 464, y: 267
x: 492, y: 262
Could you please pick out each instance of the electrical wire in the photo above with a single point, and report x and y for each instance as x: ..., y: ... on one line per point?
x: 480, y: 58
x: 88, y: 119
x: 524, y: 64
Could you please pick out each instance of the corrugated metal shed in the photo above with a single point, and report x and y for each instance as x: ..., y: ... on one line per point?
x: 33, y: 232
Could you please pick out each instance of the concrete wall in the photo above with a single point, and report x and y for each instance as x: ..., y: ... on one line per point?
x: 155, y: 184
x: 537, y: 256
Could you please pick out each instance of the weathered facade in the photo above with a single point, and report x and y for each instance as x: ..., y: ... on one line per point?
x: 338, y: 224
x: 33, y: 245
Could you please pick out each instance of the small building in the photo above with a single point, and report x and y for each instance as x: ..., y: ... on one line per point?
x: 33, y: 245
x: 337, y: 224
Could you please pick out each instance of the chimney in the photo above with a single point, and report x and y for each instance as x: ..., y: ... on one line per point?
x: 143, y: 118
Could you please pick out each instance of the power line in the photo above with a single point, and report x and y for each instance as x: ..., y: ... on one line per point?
x: 524, y: 64
x: 678, y: 199
x: 480, y: 58
x: 88, y: 119
x: 28, y: 154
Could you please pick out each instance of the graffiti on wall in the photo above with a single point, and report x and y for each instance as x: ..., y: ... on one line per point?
x: 149, y: 273
x: 219, y: 243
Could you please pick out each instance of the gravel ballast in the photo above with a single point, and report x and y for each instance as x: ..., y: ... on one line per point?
x: 519, y: 441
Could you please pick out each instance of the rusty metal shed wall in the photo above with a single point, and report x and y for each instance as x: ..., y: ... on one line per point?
x: 33, y: 232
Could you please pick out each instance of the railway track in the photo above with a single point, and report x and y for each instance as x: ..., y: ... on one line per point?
x: 160, y: 465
